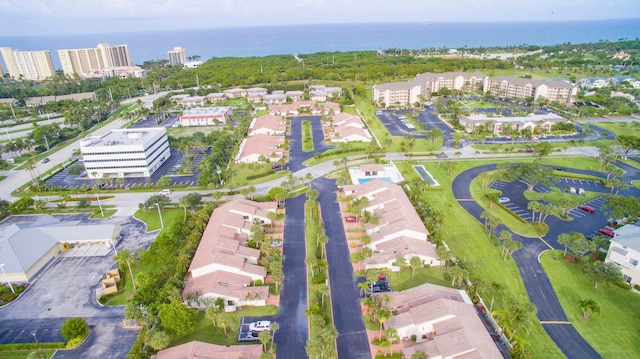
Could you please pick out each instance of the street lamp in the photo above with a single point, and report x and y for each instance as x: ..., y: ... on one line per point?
x: 36, y: 338
x: 6, y: 278
x: 99, y: 205
x: 160, y: 214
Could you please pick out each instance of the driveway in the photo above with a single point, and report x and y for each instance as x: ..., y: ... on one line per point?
x: 535, y: 279
x: 296, y: 155
x: 294, y: 326
x: 352, y: 339
x: 433, y: 121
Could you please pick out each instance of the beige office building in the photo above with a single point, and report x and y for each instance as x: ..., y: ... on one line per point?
x: 28, y: 65
x: 83, y: 61
x: 177, y: 56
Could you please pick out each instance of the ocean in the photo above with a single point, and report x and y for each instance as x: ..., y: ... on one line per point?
x: 305, y: 39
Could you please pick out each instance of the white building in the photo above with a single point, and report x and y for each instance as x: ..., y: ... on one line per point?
x: 125, y: 152
x: 624, y: 251
x: 28, y: 65
x: 205, y: 116
x: 83, y: 61
x: 177, y: 56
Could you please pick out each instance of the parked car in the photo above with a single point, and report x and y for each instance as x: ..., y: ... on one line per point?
x: 46, y: 160
x: 165, y: 192
x: 586, y: 208
x: 581, y: 191
x: 351, y: 219
x: 245, y: 337
x: 260, y: 326
x: 607, y: 232
x: 276, y: 166
x: 276, y: 243
x: 503, y: 199
x: 572, y: 190
x: 442, y: 155
x: 558, y: 168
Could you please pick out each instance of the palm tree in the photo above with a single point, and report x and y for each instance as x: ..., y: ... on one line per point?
x: 265, y: 337
x: 415, y: 262
x: 124, y: 257
x: 274, y: 327
x: 392, y: 336
x: 323, y: 289
x: 184, y: 203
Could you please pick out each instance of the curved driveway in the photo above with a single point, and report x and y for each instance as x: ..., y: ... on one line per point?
x: 536, y: 282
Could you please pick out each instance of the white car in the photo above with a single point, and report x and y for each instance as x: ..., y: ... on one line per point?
x: 260, y: 326
x: 503, y: 199
x: 165, y: 192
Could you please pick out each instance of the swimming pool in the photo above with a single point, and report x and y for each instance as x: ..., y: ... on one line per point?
x: 369, y: 179
x: 425, y: 175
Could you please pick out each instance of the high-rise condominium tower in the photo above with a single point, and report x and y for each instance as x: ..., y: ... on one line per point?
x: 28, y: 65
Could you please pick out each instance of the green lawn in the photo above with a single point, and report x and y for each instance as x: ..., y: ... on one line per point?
x: 152, y: 219
x: 620, y: 128
x: 467, y: 238
x: 307, y: 136
x: 24, y: 354
x: 615, y: 332
x: 205, y: 332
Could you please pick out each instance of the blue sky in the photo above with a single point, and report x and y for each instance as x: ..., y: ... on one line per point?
x: 54, y: 17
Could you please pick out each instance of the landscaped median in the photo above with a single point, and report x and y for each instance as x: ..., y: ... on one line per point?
x: 322, y: 333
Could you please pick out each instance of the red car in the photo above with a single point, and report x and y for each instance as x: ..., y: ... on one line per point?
x: 351, y: 219
x: 607, y: 232
x: 586, y: 208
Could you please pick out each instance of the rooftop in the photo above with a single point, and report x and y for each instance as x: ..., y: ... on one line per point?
x: 123, y: 137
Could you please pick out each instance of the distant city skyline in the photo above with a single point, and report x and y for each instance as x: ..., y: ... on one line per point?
x: 56, y: 17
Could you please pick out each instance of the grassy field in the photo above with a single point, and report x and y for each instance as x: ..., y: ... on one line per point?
x: 468, y: 240
x: 152, y: 219
x: 25, y: 354
x: 620, y: 128
x: 478, y: 104
x: 178, y: 132
x: 615, y: 331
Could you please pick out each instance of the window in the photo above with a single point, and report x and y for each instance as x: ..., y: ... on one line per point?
x: 627, y: 279
x: 633, y: 262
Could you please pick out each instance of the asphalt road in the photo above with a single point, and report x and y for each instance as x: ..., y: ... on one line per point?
x: 296, y: 154
x: 536, y: 281
x: 433, y: 121
x: 294, y: 326
x: 352, y: 339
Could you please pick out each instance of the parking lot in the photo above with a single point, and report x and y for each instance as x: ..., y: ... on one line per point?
x: 66, y: 287
x: 169, y: 168
x: 396, y: 123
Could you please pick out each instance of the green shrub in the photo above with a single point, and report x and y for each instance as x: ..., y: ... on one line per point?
x: 623, y: 285
x: 260, y: 175
x: 74, y: 328
x: 74, y: 343
x: 636, y: 286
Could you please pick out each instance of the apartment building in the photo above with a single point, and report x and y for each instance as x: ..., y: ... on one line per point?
x: 420, y: 88
x: 28, y: 65
x: 125, y: 152
x: 399, y: 230
x: 443, y: 321
x: 83, y: 61
x: 261, y: 148
x: 223, y: 266
x: 177, y: 56
x: 515, y: 87
x: 268, y: 125
x: 498, y: 125
x: 624, y: 251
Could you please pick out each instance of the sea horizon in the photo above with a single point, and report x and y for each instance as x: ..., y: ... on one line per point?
x: 259, y: 41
